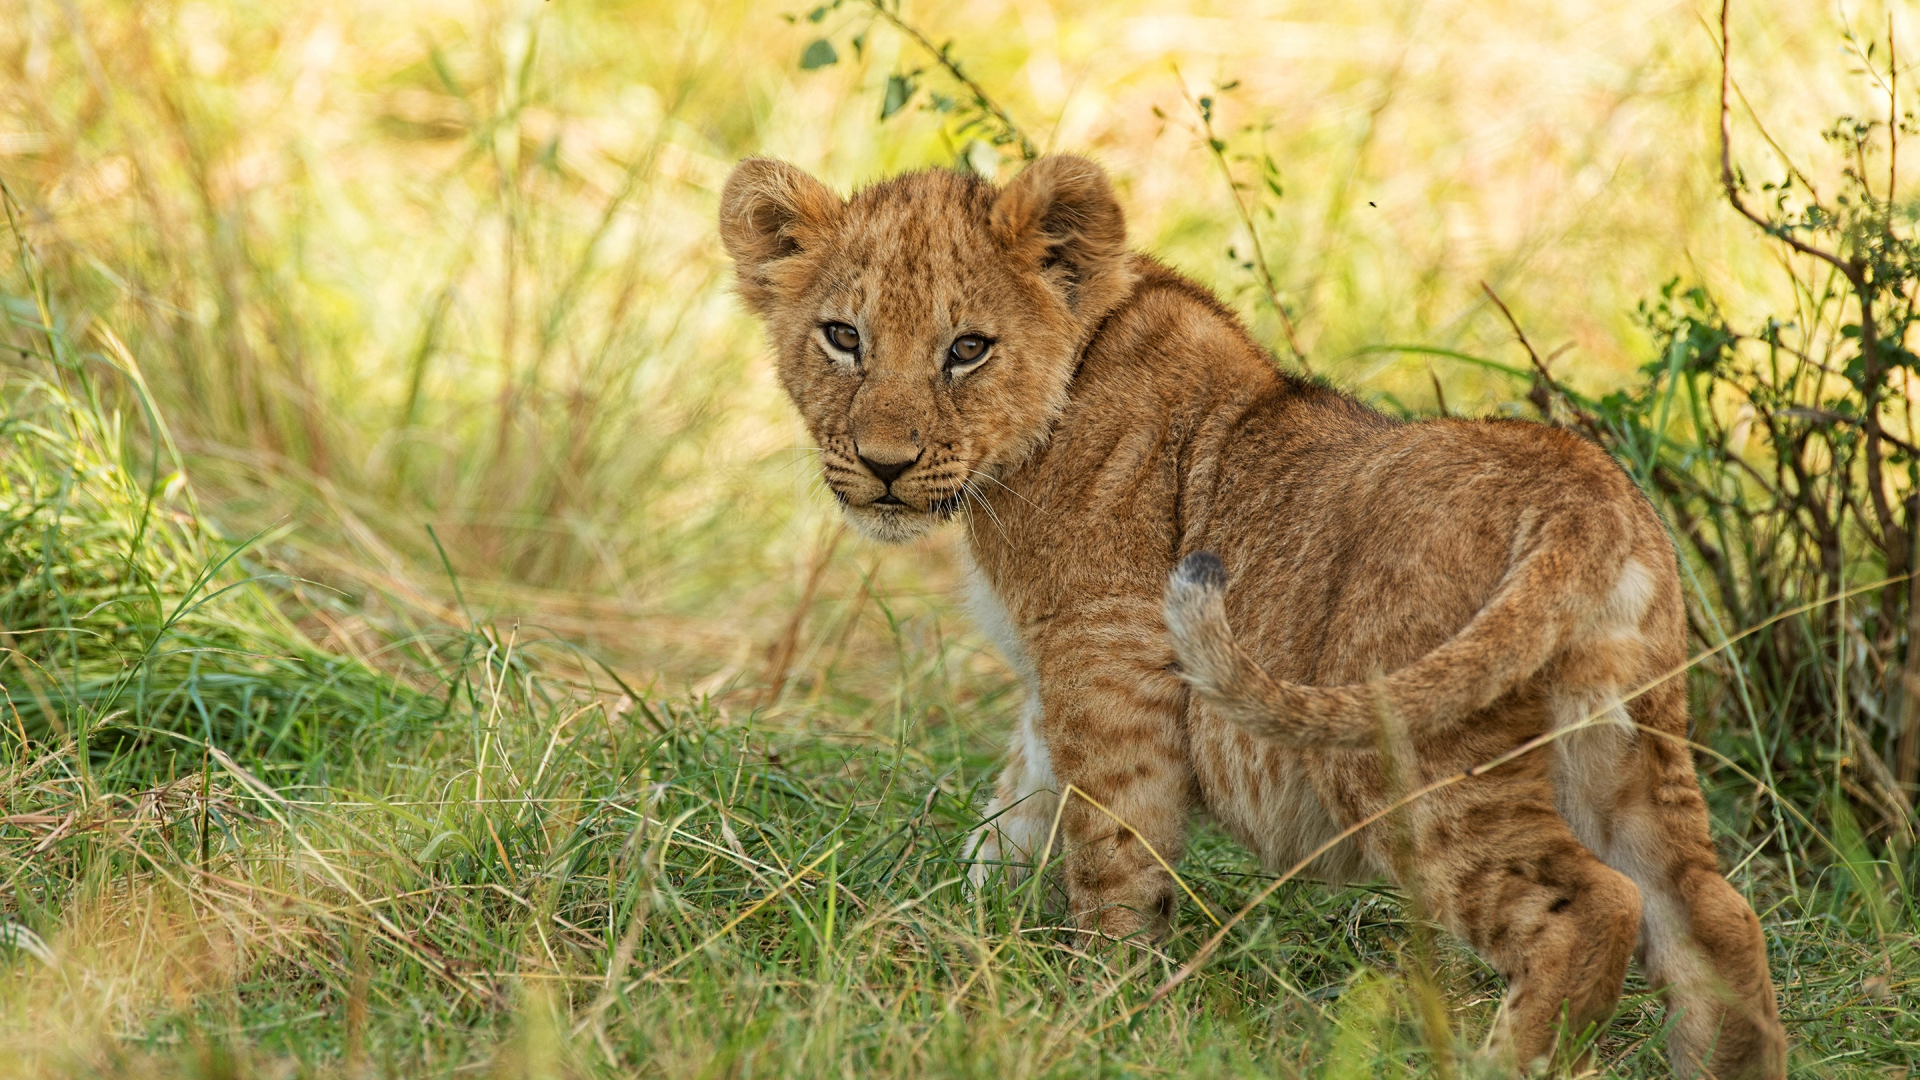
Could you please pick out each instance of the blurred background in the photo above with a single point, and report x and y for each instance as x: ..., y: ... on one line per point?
x: 418, y: 610
x: 385, y: 265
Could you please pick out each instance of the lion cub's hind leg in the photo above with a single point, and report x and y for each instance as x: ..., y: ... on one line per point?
x: 1500, y: 868
x: 1625, y: 780
x: 1701, y: 943
x: 1020, y: 818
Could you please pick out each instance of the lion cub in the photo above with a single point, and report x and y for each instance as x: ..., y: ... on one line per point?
x: 1219, y: 582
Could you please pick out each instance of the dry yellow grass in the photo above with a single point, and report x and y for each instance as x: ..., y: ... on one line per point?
x: 387, y: 264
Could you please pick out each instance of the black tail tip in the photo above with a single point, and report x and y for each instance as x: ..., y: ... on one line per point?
x: 1204, y: 569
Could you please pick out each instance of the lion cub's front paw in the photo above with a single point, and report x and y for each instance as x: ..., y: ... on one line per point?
x: 1143, y: 925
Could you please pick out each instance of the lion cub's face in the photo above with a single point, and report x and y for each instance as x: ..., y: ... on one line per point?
x: 927, y: 328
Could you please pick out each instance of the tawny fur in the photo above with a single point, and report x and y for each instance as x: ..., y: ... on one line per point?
x: 1476, y: 583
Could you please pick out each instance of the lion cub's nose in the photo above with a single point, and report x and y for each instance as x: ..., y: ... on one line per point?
x: 887, y: 471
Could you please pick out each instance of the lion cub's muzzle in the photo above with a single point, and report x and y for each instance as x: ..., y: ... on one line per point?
x: 887, y: 472
x: 893, y: 497
x: 902, y: 489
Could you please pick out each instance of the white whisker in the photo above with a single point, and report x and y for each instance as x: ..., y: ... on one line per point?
x: 1005, y: 488
x: 968, y: 488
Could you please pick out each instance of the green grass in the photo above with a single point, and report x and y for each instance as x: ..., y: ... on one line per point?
x: 125, y: 615
x: 773, y: 902
x: 465, y: 856
x: 425, y: 652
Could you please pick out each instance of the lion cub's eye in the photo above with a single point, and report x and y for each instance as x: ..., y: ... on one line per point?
x: 843, y: 337
x: 967, y: 349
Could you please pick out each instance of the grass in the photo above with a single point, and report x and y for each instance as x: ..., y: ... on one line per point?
x: 426, y: 654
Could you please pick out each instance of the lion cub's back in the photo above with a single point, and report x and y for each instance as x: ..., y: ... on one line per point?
x: 1359, y: 547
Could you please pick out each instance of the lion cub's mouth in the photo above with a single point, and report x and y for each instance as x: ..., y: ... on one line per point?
x: 891, y: 518
x: 940, y: 508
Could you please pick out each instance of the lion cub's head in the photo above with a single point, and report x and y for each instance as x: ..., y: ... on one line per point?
x: 927, y: 327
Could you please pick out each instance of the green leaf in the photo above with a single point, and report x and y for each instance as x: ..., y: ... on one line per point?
x: 818, y: 55
x: 899, y: 91
x: 817, y: 13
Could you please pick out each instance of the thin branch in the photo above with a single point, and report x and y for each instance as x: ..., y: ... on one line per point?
x: 1544, y: 387
x: 1828, y: 416
x: 1893, y: 114
x: 1027, y: 150
x: 1216, y: 147
x: 1754, y: 115
x: 1732, y: 185
x: 1893, y: 538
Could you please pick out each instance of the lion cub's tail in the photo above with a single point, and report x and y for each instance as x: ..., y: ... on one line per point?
x: 1558, y: 582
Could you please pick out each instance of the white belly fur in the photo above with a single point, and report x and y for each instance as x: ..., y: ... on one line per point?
x: 1022, y: 812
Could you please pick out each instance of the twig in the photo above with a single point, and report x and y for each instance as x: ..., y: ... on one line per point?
x: 1754, y: 115
x: 1217, y: 148
x: 1732, y: 185
x: 1893, y: 114
x: 783, y: 650
x: 1854, y: 270
x: 1828, y: 416
x: 1544, y: 388
x: 1906, y: 747
x: 1027, y: 150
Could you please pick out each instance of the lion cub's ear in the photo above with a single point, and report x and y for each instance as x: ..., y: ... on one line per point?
x: 1060, y: 213
x: 770, y: 210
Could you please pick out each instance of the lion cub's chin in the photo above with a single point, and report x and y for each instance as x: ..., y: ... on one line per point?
x: 890, y: 525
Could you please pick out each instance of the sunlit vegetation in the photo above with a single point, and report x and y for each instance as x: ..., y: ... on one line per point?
x: 426, y: 650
